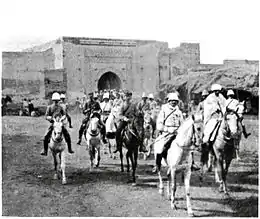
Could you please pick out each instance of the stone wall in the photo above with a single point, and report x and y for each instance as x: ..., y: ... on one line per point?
x: 252, y: 64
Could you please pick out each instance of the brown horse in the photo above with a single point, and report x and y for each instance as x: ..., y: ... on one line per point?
x: 132, y: 138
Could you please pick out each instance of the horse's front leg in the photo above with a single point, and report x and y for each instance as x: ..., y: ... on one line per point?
x: 134, y: 157
x: 62, y: 165
x: 55, y: 166
x: 187, y: 177
x: 158, y: 159
x: 174, y: 187
x: 127, y: 161
x: 169, y: 183
x: 121, y: 159
x: 220, y: 172
x: 98, y: 157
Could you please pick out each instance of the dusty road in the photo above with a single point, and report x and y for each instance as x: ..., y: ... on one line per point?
x: 29, y: 190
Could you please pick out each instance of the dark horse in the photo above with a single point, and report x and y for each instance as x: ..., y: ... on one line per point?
x: 131, y: 139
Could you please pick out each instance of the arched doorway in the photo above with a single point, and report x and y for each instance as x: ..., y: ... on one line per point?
x: 109, y: 80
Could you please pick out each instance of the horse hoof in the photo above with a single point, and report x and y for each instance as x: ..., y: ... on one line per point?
x: 55, y: 177
x: 134, y: 184
x: 64, y: 182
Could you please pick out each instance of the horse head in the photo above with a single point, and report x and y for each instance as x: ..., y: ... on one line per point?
x: 231, y: 119
x: 94, y: 125
x: 147, y: 120
x: 57, y: 128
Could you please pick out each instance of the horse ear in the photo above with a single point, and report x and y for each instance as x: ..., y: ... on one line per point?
x: 193, y: 117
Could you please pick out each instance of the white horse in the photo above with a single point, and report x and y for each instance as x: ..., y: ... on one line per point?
x: 57, y: 146
x: 93, y: 138
x: 179, y: 158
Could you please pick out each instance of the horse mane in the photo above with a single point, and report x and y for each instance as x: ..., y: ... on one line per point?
x: 184, y: 127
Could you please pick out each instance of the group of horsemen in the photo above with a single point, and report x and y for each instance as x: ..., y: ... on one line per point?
x: 212, y: 108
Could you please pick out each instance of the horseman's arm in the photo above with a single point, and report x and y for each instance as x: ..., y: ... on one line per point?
x: 48, y: 116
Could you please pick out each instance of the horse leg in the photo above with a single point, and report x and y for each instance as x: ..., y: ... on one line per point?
x: 133, y: 166
x: 121, y: 159
x: 169, y: 183
x: 127, y: 161
x: 145, y: 143
x: 135, y: 158
x: 91, y: 157
x: 187, y: 190
x: 158, y: 160
x: 98, y: 157
x: 220, y: 171
x: 174, y: 187
x: 62, y: 165
x: 55, y: 166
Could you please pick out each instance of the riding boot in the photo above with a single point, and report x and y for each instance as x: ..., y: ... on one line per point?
x: 81, y: 131
x: 68, y: 140
x: 244, y: 131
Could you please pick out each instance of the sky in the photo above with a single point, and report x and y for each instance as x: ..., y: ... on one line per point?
x: 225, y: 29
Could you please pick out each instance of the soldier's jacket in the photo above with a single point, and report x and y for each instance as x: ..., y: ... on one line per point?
x: 232, y: 104
x: 91, y: 106
x: 127, y: 110
x: 64, y: 106
x: 153, y: 105
x: 213, y: 106
x: 117, y: 102
x: 141, y: 106
x: 54, y: 110
x: 169, y: 117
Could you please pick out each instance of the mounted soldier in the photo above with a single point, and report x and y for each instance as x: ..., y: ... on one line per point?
x: 143, y: 105
x: 127, y: 111
x: 65, y: 107
x: 52, y: 111
x: 214, y: 109
x: 169, y: 120
x: 200, y: 108
x: 89, y: 107
x: 232, y: 105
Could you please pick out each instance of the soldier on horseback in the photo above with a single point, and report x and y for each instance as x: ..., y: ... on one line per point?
x: 214, y: 109
x: 127, y: 112
x: 65, y: 107
x: 169, y: 120
x: 143, y: 105
x: 52, y: 111
x: 232, y: 104
x: 200, y: 108
x: 90, y: 106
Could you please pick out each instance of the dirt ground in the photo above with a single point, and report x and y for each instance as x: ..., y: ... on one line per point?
x: 29, y: 190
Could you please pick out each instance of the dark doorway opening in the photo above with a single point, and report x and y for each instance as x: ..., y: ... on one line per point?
x: 109, y: 80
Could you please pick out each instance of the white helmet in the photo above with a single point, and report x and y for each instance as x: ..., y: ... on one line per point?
x: 173, y: 96
x: 230, y: 92
x: 151, y: 96
x: 144, y: 95
x: 215, y: 87
x: 62, y: 96
x: 106, y: 95
x: 55, y: 96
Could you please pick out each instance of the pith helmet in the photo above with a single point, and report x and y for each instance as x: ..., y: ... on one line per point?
x: 55, y: 96
x: 144, y: 95
x: 151, y: 96
x: 230, y: 93
x: 173, y: 96
x: 62, y: 96
x: 215, y: 87
x: 106, y: 95
x: 205, y: 93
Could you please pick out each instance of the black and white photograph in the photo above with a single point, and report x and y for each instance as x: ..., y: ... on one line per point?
x: 129, y: 108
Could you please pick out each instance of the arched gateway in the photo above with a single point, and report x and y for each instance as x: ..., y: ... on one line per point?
x: 109, y: 80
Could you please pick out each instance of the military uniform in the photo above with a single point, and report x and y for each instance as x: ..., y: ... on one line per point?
x: 54, y: 111
x: 89, y: 108
x: 65, y: 108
